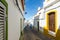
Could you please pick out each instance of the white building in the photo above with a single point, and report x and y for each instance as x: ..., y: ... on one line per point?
x: 31, y: 21
x: 13, y: 19
x: 38, y: 19
x: 48, y: 18
x: 52, y: 23
x: 25, y: 23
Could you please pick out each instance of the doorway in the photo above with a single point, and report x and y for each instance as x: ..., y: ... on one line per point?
x: 38, y: 25
x: 20, y: 24
x: 51, y: 21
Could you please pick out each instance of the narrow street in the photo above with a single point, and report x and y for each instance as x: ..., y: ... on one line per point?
x: 30, y: 34
x: 29, y: 19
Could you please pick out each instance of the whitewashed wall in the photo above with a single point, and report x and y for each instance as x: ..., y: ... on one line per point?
x: 35, y: 23
x: 41, y: 19
x: 57, y: 8
x: 36, y: 19
x: 58, y: 19
x: 14, y: 16
x: 43, y: 22
x: 48, y: 2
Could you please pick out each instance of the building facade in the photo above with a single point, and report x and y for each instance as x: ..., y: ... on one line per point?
x: 52, y: 13
x: 48, y: 18
x: 13, y: 19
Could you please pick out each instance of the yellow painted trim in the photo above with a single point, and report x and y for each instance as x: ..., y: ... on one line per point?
x: 47, y: 18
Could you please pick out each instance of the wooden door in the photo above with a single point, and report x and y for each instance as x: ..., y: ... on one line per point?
x: 52, y: 21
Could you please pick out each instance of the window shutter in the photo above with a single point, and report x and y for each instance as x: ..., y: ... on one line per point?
x: 2, y: 22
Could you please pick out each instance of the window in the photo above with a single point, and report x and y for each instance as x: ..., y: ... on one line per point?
x: 2, y: 22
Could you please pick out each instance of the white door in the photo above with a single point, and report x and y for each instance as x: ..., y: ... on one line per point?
x: 2, y: 22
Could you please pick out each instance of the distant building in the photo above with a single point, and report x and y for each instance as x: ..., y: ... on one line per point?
x: 37, y: 19
x: 31, y: 21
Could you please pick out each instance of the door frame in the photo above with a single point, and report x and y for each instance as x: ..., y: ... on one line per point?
x: 54, y: 21
x: 47, y: 20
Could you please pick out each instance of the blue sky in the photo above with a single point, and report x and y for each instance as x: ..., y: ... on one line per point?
x: 31, y: 7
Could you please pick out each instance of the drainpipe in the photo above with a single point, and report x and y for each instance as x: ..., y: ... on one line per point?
x: 18, y: 7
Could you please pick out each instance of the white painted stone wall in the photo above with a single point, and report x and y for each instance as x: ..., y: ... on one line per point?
x: 36, y: 19
x: 41, y: 19
x: 53, y: 7
x: 14, y: 16
x: 47, y: 3
x: 43, y: 22
x: 57, y: 8
x: 58, y: 19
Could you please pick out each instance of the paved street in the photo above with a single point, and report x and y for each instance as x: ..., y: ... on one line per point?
x: 30, y: 34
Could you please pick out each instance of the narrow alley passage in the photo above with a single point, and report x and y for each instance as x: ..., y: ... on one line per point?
x: 31, y: 34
